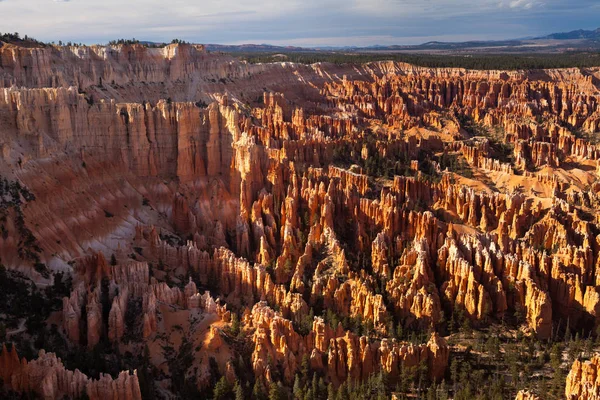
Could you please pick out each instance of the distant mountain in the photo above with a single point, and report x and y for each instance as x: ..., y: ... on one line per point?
x: 251, y: 48
x: 435, y: 45
x: 578, y: 40
x: 578, y: 34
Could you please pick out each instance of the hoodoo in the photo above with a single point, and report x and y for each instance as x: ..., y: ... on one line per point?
x: 177, y: 223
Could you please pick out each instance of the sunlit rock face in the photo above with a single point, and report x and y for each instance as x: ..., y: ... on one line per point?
x: 311, y: 209
x: 582, y: 381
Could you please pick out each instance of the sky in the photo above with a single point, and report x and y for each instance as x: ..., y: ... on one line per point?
x: 295, y: 22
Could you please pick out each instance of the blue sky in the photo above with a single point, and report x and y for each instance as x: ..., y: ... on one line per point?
x: 295, y: 22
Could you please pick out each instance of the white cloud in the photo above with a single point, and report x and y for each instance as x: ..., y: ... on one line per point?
x: 422, y: 8
x: 36, y: 16
x: 289, y: 21
x: 525, y: 4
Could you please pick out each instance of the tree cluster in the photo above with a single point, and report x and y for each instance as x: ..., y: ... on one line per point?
x: 470, y: 61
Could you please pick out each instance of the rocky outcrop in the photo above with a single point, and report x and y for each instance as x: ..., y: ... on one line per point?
x: 416, y: 302
x: 9, y: 362
x: 131, y: 281
x: 47, y: 377
x: 582, y: 381
x: 94, y: 321
x: 526, y: 395
x: 116, y: 316
x: 349, y: 357
x: 167, y: 139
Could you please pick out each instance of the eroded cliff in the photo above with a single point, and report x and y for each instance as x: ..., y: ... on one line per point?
x: 278, y: 222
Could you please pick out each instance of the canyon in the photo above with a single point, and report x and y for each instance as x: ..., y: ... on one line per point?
x: 254, y: 222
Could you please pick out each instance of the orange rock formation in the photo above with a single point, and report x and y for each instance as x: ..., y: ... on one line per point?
x: 298, y: 196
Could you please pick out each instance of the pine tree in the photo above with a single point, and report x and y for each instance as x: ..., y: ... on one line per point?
x: 297, y: 390
x: 258, y: 391
x: 589, y: 346
x: 309, y: 395
x: 330, y: 392
x: 399, y: 332
x: 276, y: 391
x: 222, y: 389
x: 543, y: 385
x: 431, y: 395
x: 235, y: 324
x: 555, y: 362
x: 315, y: 385
x: 342, y: 392
x: 443, y: 391
x: 305, y: 369
x: 238, y: 391
x: 454, y: 373
x: 322, y: 389
x: 574, y: 348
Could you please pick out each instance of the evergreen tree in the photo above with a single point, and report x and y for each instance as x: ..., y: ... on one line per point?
x: 309, y: 395
x: 276, y: 391
x: 342, y: 392
x: 330, y: 392
x: 443, y: 391
x: 258, y: 391
x: 315, y: 386
x: 235, y: 324
x: 297, y: 389
x: 322, y: 389
x: 557, y: 377
x: 568, y: 331
x: 431, y: 393
x: 305, y: 369
x: 238, y: 391
x: 222, y: 389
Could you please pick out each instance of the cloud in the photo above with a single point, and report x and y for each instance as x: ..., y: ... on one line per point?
x: 522, y: 4
x: 525, y: 4
x: 322, y: 22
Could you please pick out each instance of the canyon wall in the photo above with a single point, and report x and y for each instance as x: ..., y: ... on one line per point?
x: 323, y: 208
